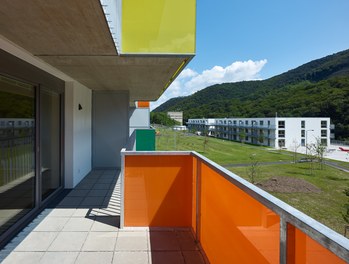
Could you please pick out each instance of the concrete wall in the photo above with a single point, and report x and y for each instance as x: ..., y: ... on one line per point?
x: 78, y: 133
x: 110, y: 127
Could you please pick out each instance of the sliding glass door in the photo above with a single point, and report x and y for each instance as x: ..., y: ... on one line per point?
x: 17, y: 151
x: 30, y: 148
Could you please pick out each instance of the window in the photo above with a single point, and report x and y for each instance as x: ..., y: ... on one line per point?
x: 234, y: 122
x: 324, y: 141
x: 281, y: 124
x: 268, y: 122
x: 246, y: 138
x: 281, y: 143
x: 302, y: 142
x: 323, y: 132
x: 246, y: 130
x: 323, y: 124
x: 261, y: 122
x: 302, y: 124
x: 302, y: 133
x: 246, y: 122
x: 281, y: 133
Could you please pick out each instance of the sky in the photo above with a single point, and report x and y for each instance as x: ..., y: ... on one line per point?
x: 239, y: 40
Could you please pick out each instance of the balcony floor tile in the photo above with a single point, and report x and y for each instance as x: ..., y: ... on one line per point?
x: 84, y: 228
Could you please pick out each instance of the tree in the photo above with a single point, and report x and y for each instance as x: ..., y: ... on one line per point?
x: 162, y: 119
x: 317, y: 150
x: 253, y: 171
x: 205, y: 139
x: 295, y: 147
x: 346, y: 214
x: 242, y: 135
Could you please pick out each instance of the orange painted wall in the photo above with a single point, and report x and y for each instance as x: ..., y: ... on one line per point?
x: 303, y: 249
x: 143, y: 104
x: 158, y: 191
x: 235, y: 228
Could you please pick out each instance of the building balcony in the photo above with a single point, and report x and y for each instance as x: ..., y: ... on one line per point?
x: 231, y: 220
x: 177, y: 206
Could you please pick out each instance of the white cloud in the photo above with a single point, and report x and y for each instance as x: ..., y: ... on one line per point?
x: 189, y: 81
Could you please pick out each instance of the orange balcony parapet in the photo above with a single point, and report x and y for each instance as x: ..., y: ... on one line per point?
x: 233, y: 220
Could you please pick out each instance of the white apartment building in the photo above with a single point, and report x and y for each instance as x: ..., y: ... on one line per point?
x: 276, y: 132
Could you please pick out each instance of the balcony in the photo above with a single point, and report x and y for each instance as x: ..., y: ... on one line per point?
x: 232, y: 220
x: 177, y: 206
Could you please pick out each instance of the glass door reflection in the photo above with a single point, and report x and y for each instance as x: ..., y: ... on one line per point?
x: 17, y: 145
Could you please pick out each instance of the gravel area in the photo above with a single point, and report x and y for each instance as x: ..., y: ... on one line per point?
x: 288, y: 185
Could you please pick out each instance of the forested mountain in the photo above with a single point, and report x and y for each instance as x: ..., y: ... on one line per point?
x: 319, y: 88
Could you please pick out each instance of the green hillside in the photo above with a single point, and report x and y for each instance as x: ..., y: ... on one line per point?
x: 319, y: 88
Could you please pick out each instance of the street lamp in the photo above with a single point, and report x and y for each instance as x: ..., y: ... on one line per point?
x: 306, y: 140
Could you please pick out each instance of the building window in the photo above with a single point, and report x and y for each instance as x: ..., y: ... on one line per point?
x: 302, y: 133
x: 281, y: 143
x: 261, y: 122
x: 246, y: 122
x: 281, y: 124
x: 234, y: 122
x: 323, y: 124
x: 324, y: 141
x: 281, y: 133
x: 302, y: 142
x: 246, y: 138
x: 246, y: 130
x: 302, y: 124
x: 323, y: 132
x: 268, y: 122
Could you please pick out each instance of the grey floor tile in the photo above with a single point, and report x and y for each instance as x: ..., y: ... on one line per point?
x: 68, y: 241
x: 106, y: 223
x: 78, y: 224
x: 78, y: 193
x: 92, y: 201
x: 163, y: 240
x: 168, y: 257
x: 131, y: 257
x: 70, y: 202
x: 93, y: 192
x: 132, y: 241
x: 37, y: 241
x: 23, y: 257
x: 59, y: 257
x: 193, y: 257
x: 100, y: 241
x: 186, y: 240
x: 85, y: 212
x: 55, y: 224
x: 101, y: 186
x: 94, y: 258
x: 62, y: 212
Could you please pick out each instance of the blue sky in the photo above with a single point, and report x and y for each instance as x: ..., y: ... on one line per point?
x: 243, y: 40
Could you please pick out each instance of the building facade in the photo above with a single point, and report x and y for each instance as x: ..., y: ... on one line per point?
x: 176, y: 116
x: 276, y: 132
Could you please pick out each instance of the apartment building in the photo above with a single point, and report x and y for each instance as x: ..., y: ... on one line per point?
x: 276, y: 132
x: 177, y: 116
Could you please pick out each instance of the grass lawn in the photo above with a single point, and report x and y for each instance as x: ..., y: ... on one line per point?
x: 221, y: 151
x: 326, y: 207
